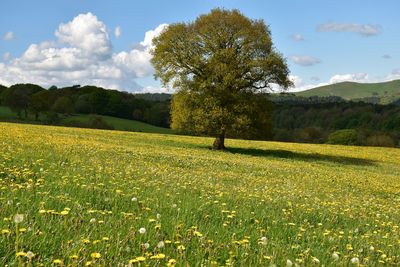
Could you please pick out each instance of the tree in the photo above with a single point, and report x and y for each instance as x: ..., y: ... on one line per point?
x: 39, y: 103
x: 17, y: 97
x: 2, y: 90
x: 63, y: 105
x: 219, y: 64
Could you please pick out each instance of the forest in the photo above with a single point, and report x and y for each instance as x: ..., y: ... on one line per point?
x: 294, y: 118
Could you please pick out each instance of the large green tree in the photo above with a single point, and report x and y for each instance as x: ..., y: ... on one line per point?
x: 218, y: 65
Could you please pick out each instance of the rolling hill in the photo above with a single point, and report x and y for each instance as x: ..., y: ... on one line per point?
x: 384, y: 93
x: 80, y: 120
x: 119, y: 124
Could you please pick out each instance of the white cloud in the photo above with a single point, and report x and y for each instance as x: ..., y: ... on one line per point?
x: 86, y: 33
x: 297, y: 37
x: 152, y: 89
x: 395, y: 75
x: 305, y: 60
x: 9, y: 36
x: 362, y: 29
x: 117, y: 31
x: 354, y: 77
x: 81, y: 54
x: 148, y: 37
x: 300, y: 85
x: 297, y: 81
x: 6, y: 56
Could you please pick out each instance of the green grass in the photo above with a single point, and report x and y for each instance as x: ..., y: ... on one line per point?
x: 84, y: 191
x: 120, y: 124
x: 7, y: 114
x: 387, y: 91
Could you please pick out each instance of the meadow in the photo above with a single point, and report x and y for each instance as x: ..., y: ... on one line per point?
x: 82, y: 197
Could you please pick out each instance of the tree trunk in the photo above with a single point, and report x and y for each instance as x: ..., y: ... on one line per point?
x: 219, y: 143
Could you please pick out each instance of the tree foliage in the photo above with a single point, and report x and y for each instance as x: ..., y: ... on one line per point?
x: 218, y: 64
x: 18, y: 97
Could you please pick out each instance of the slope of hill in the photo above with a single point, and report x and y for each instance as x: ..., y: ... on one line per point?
x: 81, y: 120
x: 385, y: 93
x: 118, y: 198
x: 119, y: 124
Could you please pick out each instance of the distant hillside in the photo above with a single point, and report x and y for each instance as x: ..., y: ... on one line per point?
x: 86, y: 121
x: 116, y: 124
x: 382, y: 93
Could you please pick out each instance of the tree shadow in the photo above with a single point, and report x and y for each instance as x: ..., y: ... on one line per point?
x: 285, y: 154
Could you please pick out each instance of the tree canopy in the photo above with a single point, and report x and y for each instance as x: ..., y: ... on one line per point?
x: 218, y: 64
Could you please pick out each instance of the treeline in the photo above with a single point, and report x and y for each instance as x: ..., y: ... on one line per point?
x: 294, y: 119
x: 322, y: 120
x: 49, y: 105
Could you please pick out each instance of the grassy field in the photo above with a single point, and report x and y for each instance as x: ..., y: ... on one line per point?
x: 121, y: 124
x: 81, y: 197
x: 387, y: 91
x: 118, y: 124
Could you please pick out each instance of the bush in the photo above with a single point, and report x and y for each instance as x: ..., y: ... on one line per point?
x: 309, y: 135
x: 343, y: 137
x: 380, y: 140
x: 98, y: 122
x: 94, y: 122
x: 51, y: 118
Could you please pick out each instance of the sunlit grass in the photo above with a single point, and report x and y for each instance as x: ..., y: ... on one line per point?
x: 108, y: 198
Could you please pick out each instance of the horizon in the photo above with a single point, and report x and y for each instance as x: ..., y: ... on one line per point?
x: 107, y: 44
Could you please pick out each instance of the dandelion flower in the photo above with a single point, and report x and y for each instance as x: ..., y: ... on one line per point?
x: 161, y: 244
x: 57, y: 261
x: 18, y: 218
x: 159, y: 256
x: 20, y: 254
x: 181, y: 248
x: 171, y: 262
x: 355, y: 261
x: 30, y: 255
x: 95, y: 255
x: 263, y: 240
x: 5, y: 231
x: 335, y: 256
x: 315, y: 260
x: 289, y: 263
x: 142, y: 230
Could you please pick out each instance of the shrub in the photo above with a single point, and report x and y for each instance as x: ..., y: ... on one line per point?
x: 98, y: 122
x: 343, y: 137
x: 94, y: 122
x: 309, y: 135
x: 380, y: 140
x: 51, y: 118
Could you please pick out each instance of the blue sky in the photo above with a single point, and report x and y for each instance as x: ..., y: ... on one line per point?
x: 67, y: 42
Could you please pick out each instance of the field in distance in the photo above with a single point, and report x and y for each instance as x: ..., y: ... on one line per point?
x: 109, y: 198
x: 84, y: 120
